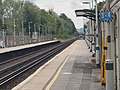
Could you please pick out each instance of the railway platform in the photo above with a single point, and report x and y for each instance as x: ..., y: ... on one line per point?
x: 9, y: 49
x: 72, y: 69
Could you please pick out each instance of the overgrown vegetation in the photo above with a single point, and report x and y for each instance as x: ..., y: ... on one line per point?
x: 37, y: 19
x: 100, y: 5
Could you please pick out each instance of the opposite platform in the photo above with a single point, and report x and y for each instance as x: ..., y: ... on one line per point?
x: 9, y: 49
x: 69, y: 70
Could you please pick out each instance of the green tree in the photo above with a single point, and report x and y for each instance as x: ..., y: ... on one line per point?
x: 59, y: 26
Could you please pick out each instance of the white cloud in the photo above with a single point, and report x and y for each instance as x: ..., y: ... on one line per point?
x: 64, y: 6
x: 76, y: 4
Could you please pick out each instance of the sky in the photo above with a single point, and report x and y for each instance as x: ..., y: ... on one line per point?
x: 65, y: 6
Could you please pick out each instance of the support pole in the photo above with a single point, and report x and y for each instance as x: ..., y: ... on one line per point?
x: 97, y: 43
x: 2, y: 22
x: 23, y: 32
x: 90, y: 30
x: 14, y: 32
x: 91, y: 34
x: 0, y: 11
x: 103, y: 64
x: 3, y: 32
x: 109, y: 61
x: 39, y: 32
x: 93, y: 42
x: 29, y: 33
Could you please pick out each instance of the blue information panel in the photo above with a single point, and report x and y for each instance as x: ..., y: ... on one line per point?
x: 105, y: 16
x: 110, y: 15
x: 101, y: 14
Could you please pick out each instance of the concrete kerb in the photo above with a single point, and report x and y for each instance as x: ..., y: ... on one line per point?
x: 40, y: 69
x: 44, y: 88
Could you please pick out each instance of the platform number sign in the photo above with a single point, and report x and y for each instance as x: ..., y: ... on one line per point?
x: 101, y: 15
x: 105, y: 16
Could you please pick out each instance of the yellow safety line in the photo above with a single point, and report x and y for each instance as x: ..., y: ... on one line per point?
x: 55, y: 77
x: 58, y: 72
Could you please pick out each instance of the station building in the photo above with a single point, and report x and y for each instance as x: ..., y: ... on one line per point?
x: 115, y: 42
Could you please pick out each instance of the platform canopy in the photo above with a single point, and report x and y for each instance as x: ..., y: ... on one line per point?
x: 90, y: 14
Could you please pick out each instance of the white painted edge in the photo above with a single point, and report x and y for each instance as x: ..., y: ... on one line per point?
x: 9, y: 49
x: 36, y: 72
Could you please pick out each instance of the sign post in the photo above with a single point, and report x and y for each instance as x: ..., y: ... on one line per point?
x: 106, y: 65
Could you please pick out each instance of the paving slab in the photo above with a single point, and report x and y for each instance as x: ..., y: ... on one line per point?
x: 82, y: 73
x: 77, y: 73
x: 43, y: 75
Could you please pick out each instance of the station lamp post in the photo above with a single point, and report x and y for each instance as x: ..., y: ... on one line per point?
x: 109, y: 61
x: 14, y: 33
x: 30, y: 31
x: 94, y: 14
x: 2, y: 22
x: 97, y: 32
x: 34, y: 27
x: 39, y: 31
x: 43, y: 32
x: 47, y: 33
x: 0, y: 9
x: 3, y: 32
x: 23, y: 30
x: 89, y: 3
x: 23, y: 34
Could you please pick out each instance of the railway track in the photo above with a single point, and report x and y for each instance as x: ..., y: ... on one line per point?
x: 26, y: 63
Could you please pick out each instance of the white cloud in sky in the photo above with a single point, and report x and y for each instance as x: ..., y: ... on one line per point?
x: 64, y: 6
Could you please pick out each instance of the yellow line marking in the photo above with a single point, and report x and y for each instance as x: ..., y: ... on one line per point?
x: 58, y: 72
x: 55, y: 77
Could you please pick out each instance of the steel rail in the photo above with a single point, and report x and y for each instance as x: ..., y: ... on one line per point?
x: 16, y: 58
x: 30, y: 65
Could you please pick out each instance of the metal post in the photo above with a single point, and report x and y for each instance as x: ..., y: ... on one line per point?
x: 29, y: 32
x: 29, y: 29
x: 109, y: 61
x: 48, y: 34
x: 90, y: 36
x: 90, y: 27
x: 103, y: 57
x: 34, y: 28
x: 3, y: 32
x: 34, y: 33
x: 23, y: 34
x: 39, y: 31
x: 23, y: 30
x: 2, y: 22
x: 14, y: 32
x: 90, y: 30
x: 1, y: 9
x: 44, y: 32
x: 97, y: 43
x: 93, y: 42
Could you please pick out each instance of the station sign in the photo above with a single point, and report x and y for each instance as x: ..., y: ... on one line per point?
x: 105, y: 16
